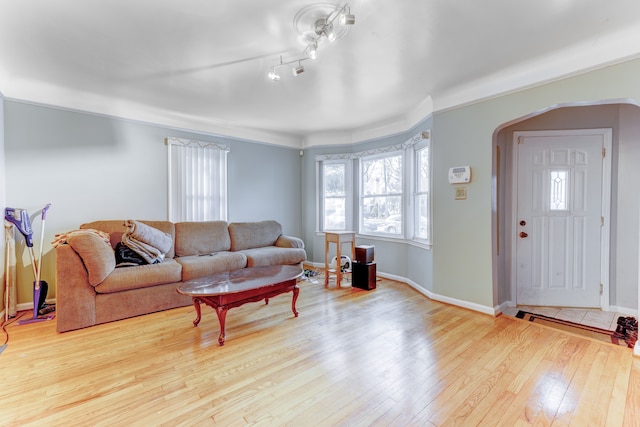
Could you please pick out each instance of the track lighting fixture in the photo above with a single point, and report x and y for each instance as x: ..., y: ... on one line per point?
x: 298, y: 70
x: 347, y: 19
x: 273, y: 75
x: 312, y: 50
x: 314, y: 31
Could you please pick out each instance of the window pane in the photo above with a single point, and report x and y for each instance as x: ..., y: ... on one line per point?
x: 334, y: 213
x: 382, y: 214
x: 558, y: 190
x: 382, y: 194
x: 422, y: 221
x: 334, y: 194
x: 382, y: 175
x: 423, y: 169
x: 334, y: 180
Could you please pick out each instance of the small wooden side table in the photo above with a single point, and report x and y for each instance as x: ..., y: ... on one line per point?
x: 337, y: 237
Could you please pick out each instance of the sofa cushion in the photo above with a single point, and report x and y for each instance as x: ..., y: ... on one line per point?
x: 247, y: 235
x: 289, y: 242
x: 140, y: 276
x: 196, y: 266
x: 116, y: 229
x: 271, y: 255
x: 97, y: 255
x: 199, y: 238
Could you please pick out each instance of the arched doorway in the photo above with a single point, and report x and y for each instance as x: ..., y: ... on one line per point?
x: 622, y: 116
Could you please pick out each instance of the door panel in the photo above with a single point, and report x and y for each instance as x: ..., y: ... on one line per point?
x: 559, y: 201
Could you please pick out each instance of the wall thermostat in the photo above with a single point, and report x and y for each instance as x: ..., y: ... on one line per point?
x: 459, y: 175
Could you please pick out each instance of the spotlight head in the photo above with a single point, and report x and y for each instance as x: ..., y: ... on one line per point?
x: 347, y: 19
x: 298, y: 70
x: 313, y: 51
x: 273, y: 75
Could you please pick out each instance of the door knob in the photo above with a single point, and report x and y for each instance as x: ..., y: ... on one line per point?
x: 523, y: 234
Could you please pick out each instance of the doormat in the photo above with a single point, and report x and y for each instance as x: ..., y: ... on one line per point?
x: 626, y: 334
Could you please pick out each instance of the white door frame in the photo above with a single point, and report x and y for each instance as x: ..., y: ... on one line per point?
x: 606, y: 134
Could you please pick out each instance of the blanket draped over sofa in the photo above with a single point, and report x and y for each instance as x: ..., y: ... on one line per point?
x: 148, y: 242
x: 92, y: 289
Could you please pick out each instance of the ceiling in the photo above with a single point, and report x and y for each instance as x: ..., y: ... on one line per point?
x: 202, y: 65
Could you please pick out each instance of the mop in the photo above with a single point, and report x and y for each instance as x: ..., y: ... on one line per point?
x: 20, y: 218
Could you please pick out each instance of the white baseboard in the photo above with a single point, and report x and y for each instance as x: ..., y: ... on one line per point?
x: 436, y: 297
x: 624, y: 310
x: 29, y: 305
x: 470, y: 305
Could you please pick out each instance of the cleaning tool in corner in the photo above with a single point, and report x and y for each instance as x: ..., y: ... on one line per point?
x: 41, y: 284
x: 20, y: 219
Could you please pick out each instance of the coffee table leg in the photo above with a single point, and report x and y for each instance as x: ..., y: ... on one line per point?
x: 296, y: 291
x: 196, y: 304
x: 222, y: 317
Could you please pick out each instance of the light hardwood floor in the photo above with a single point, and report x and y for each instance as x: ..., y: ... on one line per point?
x: 353, y: 358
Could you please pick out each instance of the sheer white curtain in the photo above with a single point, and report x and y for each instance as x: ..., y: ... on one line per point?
x: 197, y: 180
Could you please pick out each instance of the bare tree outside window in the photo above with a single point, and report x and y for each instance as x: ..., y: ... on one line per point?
x: 334, y: 195
x: 421, y: 216
x: 382, y: 186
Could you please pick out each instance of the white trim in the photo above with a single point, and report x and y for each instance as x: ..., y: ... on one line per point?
x: 606, y: 134
x: 382, y: 150
x: 492, y: 311
x: 202, y: 144
x: 29, y: 305
x: 441, y: 298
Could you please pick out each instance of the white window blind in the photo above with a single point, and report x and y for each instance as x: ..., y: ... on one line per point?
x: 197, y: 185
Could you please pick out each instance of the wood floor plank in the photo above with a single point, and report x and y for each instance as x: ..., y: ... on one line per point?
x: 632, y: 401
x: 389, y: 356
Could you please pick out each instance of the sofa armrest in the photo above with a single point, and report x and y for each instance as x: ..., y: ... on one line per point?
x: 75, y: 297
x: 289, y: 242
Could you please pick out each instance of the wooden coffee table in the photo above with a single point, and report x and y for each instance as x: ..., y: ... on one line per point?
x: 232, y: 289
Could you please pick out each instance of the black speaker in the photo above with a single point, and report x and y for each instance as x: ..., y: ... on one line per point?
x: 363, y: 275
x: 364, y: 254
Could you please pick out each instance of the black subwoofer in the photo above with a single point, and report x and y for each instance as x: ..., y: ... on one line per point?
x: 364, y: 275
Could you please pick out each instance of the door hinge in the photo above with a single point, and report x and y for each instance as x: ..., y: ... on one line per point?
x: 604, y: 152
x: 601, y: 221
x: 601, y: 288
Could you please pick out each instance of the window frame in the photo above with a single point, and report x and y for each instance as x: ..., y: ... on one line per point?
x: 361, y: 196
x: 425, y: 144
x: 409, y: 197
x: 187, y: 160
x: 348, y: 196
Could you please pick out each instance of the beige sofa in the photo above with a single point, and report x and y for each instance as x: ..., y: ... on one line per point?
x: 92, y: 290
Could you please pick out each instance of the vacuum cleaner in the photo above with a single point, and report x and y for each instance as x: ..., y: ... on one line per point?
x: 20, y: 219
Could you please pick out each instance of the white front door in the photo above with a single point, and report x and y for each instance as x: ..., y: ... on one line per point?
x: 559, y: 218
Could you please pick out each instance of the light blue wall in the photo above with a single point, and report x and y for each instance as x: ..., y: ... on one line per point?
x: 93, y: 167
x: 3, y: 189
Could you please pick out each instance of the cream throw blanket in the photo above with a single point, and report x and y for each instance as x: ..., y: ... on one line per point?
x: 148, y: 242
